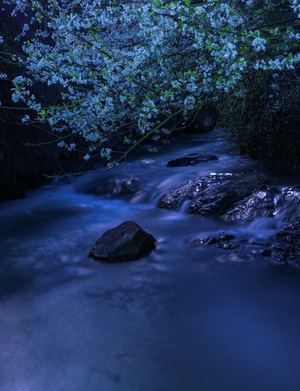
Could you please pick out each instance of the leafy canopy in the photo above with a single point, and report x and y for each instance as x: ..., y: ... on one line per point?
x: 130, y: 66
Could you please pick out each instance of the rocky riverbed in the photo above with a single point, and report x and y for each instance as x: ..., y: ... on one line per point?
x: 244, y: 198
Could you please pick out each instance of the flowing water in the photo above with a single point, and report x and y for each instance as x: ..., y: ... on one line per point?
x: 184, y: 318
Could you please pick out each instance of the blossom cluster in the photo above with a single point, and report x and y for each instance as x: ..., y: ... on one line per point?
x: 133, y: 65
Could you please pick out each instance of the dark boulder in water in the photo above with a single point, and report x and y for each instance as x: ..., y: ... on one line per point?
x: 126, y: 242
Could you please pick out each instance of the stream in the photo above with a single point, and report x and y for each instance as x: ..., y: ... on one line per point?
x: 183, y: 318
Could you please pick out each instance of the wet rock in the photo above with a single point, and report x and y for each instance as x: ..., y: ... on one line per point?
x: 237, y: 198
x: 118, y: 187
x: 208, y: 240
x: 259, y: 204
x: 190, y: 191
x: 282, y: 248
x: 213, y: 195
x: 224, y: 241
x: 109, y: 184
x: 175, y: 198
x: 191, y: 159
x: 126, y: 242
x: 217, y: 200
x: 287, y: 204
x: 286, y: 243
x: 286, y: 247
x: 225, y: 237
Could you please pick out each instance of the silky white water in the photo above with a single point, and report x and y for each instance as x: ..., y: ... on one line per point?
x: 184, y: 318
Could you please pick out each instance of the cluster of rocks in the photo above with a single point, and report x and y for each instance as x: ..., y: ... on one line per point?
x: 283, y: 248
x: 286, y: 248
x: 239, y: 197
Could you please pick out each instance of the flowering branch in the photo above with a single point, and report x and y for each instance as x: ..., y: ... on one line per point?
x: 120, y: 65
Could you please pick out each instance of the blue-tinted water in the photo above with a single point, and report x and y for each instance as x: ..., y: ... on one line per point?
x: 184, y: 318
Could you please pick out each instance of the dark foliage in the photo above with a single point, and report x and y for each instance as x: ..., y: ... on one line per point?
x: 265, y: 122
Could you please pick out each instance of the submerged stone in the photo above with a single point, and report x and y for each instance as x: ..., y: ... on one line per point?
x: 126, y: 242
x: 109, y: 183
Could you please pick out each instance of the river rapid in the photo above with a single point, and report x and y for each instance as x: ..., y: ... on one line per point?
x: 184, y: 318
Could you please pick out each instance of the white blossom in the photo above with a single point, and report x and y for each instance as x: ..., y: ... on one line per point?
x: 61, y: 144
x: 259, y: 44
x: 118, y: 66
